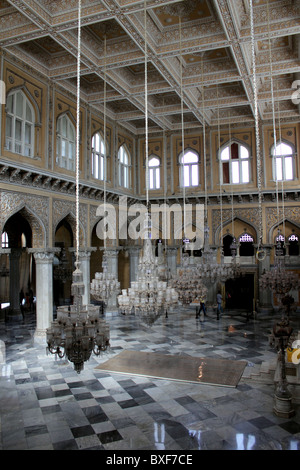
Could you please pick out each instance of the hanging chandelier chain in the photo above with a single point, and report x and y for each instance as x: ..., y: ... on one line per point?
x: 104, y: 135
x: 204, y: 136
x: 220, y: 173
x: 182, y: 124
x: 273, y: 109
x: 78, y: 129
x: 146, y: 108
x: 257, y: 134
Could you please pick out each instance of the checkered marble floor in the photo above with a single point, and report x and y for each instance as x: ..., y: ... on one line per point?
x: 46, y: 405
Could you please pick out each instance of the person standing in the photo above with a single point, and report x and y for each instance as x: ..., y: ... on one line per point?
x: 202, y: 307
x: 219, y: 304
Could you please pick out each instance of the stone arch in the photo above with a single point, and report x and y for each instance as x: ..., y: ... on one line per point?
x: 39, y: 234
x: 71, y: 219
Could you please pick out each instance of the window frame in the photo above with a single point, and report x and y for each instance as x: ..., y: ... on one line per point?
x: 12, y: 144
x: 124, y: 167
x: 154, y: 173
x: 70, y: 143
x: 98, y: 158
x: 231, y: 161
x: 186, y: 169
x: 283, y: 158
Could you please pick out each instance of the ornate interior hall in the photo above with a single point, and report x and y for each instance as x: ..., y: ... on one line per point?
x: 149, y: 160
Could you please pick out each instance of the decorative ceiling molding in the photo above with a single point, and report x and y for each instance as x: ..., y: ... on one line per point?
x: 44, y: 34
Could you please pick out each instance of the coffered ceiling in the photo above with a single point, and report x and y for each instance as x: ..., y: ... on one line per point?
x: 210, y: 38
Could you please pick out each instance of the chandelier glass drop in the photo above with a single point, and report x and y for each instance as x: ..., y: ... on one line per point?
x: 78, y: 331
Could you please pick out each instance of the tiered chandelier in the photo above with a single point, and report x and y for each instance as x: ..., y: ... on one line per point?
x: 105, y: 285
x: 148, y: 297
x: 278, y: 279
x: 78, y: 330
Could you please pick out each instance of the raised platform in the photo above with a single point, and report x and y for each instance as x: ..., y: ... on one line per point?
x: 222, y: 372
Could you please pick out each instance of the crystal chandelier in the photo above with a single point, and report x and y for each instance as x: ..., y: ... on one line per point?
x: 78, y: 330
x: 187, y: 283
x: 105, y: 284
x: 148, y: 296
x: 278, y: 279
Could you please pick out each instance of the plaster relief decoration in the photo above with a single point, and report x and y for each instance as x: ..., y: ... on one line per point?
x: 36, y: 211
x: 289, y: 213
x: 249, y: 216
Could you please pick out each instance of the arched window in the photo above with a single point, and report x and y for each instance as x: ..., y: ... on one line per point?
x: 283, y: 162
x: 20, y: 119
x: 5, y: 243
x: 65, y: 143
x: 189, y: 170
x: 293, y: 245
x: 98, y: 155
x: 246, y: 245
x: 235, y: 160
x: 124, y: 166
x: 154, y: 173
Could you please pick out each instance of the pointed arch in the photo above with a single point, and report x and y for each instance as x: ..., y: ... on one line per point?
x: 39, y: 233
x: 71, y: 219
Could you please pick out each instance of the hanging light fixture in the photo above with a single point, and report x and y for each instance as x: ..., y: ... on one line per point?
x: 187, y: 282
x: 78, y: 330
x: 210, y: 271
x: 148, y: 296
x: 279, y: 280
x: 105, y: 285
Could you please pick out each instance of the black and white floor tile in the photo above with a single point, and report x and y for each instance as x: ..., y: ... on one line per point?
x: 46, y: 405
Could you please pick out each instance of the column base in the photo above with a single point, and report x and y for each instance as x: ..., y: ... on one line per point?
x: 39, y: 336
x: 283, y: 407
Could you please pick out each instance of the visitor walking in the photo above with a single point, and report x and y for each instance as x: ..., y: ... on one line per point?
x: 219, y: 304
x: 202, y: 307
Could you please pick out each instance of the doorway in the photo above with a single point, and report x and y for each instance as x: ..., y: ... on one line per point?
x: 239, y: 292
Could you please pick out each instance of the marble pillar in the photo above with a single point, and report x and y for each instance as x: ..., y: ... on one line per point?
x: 44, y: 289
